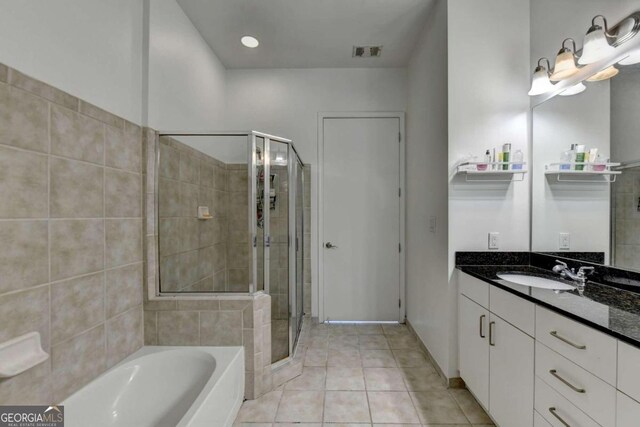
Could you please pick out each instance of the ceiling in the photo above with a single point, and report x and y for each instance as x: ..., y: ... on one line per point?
x: 309, y: 33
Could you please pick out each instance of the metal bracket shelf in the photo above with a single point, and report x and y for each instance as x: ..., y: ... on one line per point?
x: 507, y: 175
x: 609, y: 175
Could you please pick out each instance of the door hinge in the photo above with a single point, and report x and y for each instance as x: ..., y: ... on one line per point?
x: 399, y: 247
x: 399, y: 303
x: 399, y: 137
x: 399, y: 192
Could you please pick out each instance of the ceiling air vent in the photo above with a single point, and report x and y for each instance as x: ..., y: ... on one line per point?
x: 366, y: 51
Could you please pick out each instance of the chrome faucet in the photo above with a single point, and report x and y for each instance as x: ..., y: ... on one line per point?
x: 580, y: 277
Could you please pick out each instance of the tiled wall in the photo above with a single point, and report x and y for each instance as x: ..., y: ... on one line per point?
x: 211, y: 320
x: 71, y: 232
x: 627, y: 219
x: 193, y: 253
x: 238, y: 260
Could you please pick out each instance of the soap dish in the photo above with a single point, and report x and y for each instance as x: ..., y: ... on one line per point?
x: 21, y: 353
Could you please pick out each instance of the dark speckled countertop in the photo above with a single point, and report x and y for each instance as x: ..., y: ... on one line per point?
x: 611, y: 310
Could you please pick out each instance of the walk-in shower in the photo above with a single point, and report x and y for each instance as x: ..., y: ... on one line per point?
x: 231, y: 220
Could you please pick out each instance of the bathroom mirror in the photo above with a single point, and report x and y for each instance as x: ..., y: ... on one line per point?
x: 587, y: 206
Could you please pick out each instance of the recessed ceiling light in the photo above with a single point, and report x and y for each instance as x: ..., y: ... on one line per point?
x: 249, y: 41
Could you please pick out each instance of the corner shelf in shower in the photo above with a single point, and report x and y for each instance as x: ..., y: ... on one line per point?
x: 587, y: 175
x: 492, y: 173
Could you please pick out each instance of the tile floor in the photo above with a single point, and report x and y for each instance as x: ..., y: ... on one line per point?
x: 362, y: 374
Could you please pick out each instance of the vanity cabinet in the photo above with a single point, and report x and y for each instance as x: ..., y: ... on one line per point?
x: 582, y: 377
x: 496, y: 357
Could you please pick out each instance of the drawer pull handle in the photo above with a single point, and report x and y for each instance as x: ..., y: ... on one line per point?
x: 491, y: 341
x: 555, y: 414
x: 567, y: 383
x: 572, y: 344
x: 482, y: 334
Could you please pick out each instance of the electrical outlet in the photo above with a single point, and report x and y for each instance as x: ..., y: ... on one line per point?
x: 565, y: 241
x: 432, y: 224
x: 494, y: 240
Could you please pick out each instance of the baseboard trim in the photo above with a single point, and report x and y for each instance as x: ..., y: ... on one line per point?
x: 455, y: 382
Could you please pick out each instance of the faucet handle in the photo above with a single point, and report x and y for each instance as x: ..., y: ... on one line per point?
x: 586, y: 270
x: 564, y: 264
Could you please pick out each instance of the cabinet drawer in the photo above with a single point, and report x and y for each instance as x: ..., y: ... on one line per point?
x: 515, y: 310
x: 628, y: 411
x: 593, y: 350
x: 474, y: 289
x: 629, y: 370
x: 593, y: 396
x: 539, y: 421
x: 549, y: 402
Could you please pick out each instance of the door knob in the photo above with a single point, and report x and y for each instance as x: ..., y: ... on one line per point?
x: 330, y: 245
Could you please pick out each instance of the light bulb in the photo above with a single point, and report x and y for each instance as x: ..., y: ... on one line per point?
x: 565, y: 66
x: 249, y: 41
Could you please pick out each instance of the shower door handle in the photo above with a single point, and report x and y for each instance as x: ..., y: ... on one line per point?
x: 330, y: 245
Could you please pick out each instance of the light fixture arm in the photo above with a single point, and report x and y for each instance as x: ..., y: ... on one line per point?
x: 573, y: 43
x: 548, y: 64
x: 606, y: 25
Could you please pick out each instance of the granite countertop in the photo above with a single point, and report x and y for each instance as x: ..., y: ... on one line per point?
x: 611, y: 310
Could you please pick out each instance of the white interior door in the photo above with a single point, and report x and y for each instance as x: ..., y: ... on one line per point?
x: 361, y: 219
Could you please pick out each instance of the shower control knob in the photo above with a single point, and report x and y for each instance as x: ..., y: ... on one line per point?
x: 330, y: 245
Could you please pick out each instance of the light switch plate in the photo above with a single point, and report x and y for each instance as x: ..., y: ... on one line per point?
x: 564, y: 242
x: 494, y: 240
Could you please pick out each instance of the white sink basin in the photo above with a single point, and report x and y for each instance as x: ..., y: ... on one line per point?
x: 535, y: 282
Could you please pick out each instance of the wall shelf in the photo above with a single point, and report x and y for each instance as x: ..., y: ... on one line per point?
x: 492, y: 172
x: 587, y: 175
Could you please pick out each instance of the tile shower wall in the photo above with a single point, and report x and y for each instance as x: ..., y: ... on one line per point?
x: 238, y: 235
x: 627, y: 219
x: 210, y: 320
x: 192, y: 251
x: 71, y: 227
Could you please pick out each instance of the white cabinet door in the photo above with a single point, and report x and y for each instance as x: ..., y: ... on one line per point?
x: 511, y: 355
x: 628, y: 411
x: 474, y: 348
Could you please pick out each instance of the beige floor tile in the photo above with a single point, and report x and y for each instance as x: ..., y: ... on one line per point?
x: 301, y: 406
x: 437, y: 407
x: 318, y: 342
x: 286, y: 373
x: 238, y: 424
x: 402, y: 341
x: 348, y: 379
x: 297, y: 425
x: 392, y: 407
x: 312, y: 378
x: 370, y: 329
x: 373, y: 342
x: 346, y: 407
x: 315, y: 357
x: 384, y: 379
x: 393, y: 329
x: 400, y: 425
x: 471, y: 409
x: 346, y: 424
x: 260, y: 410
x: 343, y: 329
x: 344, y: 358
x: 343, y: 342
x: 377, y: 359
x: 410, y: 358
x: 423, y: 379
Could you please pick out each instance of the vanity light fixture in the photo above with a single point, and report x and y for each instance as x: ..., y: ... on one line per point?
x: 633, y: 58
x: 249, y: 41
x: 574, y: 90
x: 596, y: 45
x: 565, y: 65
x: 540, y: 83
x: 605, y: 74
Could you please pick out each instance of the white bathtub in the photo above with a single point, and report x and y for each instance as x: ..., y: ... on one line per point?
x: 163, y: 387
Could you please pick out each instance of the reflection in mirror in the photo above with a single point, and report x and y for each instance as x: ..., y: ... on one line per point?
x: 586, y: 173
x: 203, y: 228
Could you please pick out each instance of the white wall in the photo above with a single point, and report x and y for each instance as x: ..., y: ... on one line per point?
x: 186, y: 81
x: 426, y: 195
x: 489, y: 71
x: 286, y: 102
x: 88, y: 48
x: 625, y: 110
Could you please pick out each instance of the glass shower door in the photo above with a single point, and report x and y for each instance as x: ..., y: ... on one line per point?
x: 298, y: 248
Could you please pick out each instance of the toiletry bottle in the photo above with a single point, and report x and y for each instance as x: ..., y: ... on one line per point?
x: 565, y: 159
x: 572, y: 154
x: 494, y: 159
x: 506, y: 151
x: 580, y: 157
x: 500, y: 160
x: 487, y: 161
x: 518, y: 159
